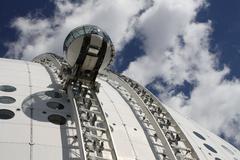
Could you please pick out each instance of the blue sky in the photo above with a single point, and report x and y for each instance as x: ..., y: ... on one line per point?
x: 182, y: 51
x: 225, y: 37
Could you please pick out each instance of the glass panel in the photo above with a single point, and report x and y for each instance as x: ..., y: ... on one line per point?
x: 55, y: 105
x: 210, y: 148
x: 7, y: 100
x: 69, y: 39
x: 199, y: 135
x: 57, y: 119
x: 6, y: 114
x: 53, y: 94
x: 7, y: 88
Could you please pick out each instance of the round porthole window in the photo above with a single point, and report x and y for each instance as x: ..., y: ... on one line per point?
x: 55, y: 105
x: 7, y: 88
x: 199, y: 135
x: 228, y: 150
x: 7, y: 100
x: 57, y: 119
x: 53, y: 94
x: 210, y: 148
x: 6, y: 114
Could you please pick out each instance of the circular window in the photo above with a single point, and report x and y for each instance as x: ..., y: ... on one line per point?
x: 57, y: 119
x: 55, y: 105
x: 199, y: 135
x: 228, y: 150
x: 6, y: 114
x: 7, y: 99
x: 53, y: 94
x: 7, y: 88
x: 210, y: 148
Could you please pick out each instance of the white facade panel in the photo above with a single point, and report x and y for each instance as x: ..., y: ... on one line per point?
x: 127, y: 125
x: 189, y: 126
x: 14, y: 133
x: 29, y: 135
x: 14, y: 151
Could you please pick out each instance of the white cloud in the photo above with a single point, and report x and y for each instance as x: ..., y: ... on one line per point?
x: 177, y: 50
x: 160, y: 27
x: 38, y: 36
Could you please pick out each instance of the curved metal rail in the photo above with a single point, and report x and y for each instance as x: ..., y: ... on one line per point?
x: 92, y: 127
x: 93, y: 133
x: 167, y: 129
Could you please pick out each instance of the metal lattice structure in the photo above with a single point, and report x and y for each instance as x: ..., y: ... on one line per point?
x: 92, y: 113
x: 175, y: 144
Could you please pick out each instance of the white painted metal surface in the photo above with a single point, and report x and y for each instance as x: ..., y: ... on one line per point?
x: 223, y: 149
x: 29, y: 136
x: 128, y: 135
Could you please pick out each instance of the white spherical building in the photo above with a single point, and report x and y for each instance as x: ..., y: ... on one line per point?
x: 77, y: 109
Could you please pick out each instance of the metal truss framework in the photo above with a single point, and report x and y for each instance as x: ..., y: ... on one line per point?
x: 93, y: 132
